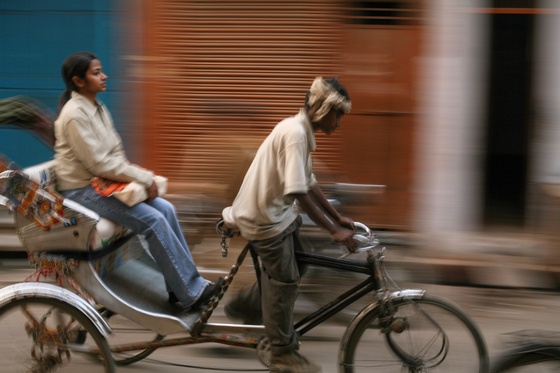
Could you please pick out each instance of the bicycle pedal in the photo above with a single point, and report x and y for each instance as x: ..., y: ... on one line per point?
x: 398, y: 325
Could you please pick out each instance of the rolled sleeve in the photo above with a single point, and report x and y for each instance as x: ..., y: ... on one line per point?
x: 297, y: 180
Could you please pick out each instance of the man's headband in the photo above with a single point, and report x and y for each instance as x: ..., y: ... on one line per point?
x: 322, y: 93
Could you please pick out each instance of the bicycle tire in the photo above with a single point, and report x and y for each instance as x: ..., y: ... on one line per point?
x: 448, y: 339
x: 56, y: 333
x: 531, y: 357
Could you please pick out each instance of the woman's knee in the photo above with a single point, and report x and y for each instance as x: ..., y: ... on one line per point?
x: 164, y: 206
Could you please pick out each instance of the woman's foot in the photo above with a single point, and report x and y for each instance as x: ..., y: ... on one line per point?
x: 210, y: 291
x: 172, y: 298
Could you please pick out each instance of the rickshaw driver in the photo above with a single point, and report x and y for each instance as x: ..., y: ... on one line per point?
x: 263, y: 210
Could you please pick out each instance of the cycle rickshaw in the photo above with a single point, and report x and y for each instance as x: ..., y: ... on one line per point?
x: 103, y: 272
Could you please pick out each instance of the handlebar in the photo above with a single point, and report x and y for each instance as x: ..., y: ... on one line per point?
x: 363, y: 236
x: 363, y: 227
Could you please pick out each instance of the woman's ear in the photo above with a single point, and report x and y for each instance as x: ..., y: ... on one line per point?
x: 78, y: 82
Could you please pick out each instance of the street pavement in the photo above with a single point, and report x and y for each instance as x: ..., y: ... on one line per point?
x: 506, y: 283
x: 498, y: 310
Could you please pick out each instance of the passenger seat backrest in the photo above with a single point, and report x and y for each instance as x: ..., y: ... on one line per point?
x: 43, y: 174
x: 90, y: 233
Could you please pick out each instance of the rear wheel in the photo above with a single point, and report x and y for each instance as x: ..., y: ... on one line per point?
x: 47, y: 335
x: 128, y: 332
x: 421, y: 335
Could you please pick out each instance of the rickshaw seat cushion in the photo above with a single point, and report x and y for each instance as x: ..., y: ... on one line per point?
x: 43, y: 174
x: 103, y: 231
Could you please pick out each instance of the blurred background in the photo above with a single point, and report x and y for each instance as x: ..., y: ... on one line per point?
x: 451, y: 145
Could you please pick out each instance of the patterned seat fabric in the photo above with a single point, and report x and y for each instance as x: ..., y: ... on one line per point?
x: 94, y: 233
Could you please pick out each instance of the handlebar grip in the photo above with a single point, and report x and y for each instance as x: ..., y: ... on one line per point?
x: 363, y: 227
x: 361, y: 239
x: 364, y: 237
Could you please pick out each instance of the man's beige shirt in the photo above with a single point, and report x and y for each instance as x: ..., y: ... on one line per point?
x: 87, y: 145
x: 282, y: 168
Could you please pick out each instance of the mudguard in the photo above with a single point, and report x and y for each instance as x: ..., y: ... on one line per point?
x: 372, y: 307
x: 50, y: 291
x: 395, y: 295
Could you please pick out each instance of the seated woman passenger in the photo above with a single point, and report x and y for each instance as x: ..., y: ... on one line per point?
x: 87, y: 146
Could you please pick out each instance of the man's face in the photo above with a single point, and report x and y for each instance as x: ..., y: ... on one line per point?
x: 330, y: 122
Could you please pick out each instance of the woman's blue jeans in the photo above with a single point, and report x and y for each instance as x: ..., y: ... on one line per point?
x: 157, y: 222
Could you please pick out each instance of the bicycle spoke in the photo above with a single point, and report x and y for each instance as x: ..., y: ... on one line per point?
x: 46, y: 335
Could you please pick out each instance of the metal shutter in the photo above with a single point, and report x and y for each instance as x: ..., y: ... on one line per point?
x: 225, y: 73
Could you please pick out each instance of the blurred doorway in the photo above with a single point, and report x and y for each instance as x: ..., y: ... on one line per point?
x: 508, y: 120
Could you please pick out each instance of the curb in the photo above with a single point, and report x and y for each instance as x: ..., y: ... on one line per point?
x: 501, y: 273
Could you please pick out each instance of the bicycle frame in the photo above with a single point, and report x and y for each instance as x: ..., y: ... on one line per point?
x: 342, y: 301
x: 376, y: 282
x: 249, y: 336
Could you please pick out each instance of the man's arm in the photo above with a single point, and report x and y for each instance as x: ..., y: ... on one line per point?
x: 317, y: 194
x: 325, y: 219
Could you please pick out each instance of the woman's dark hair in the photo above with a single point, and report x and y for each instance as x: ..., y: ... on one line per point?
x: 76, y: 64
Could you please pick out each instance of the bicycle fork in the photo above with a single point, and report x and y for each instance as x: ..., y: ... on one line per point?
x: 433, y: 351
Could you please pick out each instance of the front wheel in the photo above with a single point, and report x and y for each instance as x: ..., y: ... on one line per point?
x: 527, y: 358
x: 429, y: 334
x: 47, y: 335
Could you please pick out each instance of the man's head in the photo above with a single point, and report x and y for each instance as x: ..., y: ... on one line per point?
x: 326, y: 102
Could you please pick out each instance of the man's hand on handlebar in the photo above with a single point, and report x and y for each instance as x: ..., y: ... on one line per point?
x: 346, y: 237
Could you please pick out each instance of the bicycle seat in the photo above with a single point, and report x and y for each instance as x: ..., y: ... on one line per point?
x: 72, y: 228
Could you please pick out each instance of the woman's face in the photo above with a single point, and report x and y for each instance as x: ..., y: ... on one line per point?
x: 95, y: 80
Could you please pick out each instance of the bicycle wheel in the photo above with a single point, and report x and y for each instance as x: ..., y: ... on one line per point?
x: 44, y: 335
x: 126, y: 331
x: 529, y: 358
x: 424, y: 335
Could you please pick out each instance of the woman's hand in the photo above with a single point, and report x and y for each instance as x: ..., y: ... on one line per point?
x: 152, y: 192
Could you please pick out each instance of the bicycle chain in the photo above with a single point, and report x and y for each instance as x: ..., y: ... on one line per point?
x: 213, y: 303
